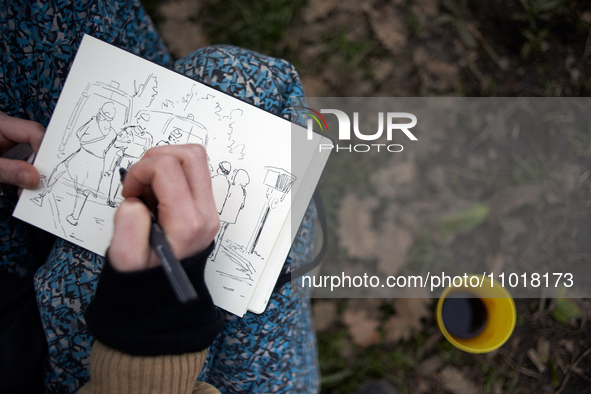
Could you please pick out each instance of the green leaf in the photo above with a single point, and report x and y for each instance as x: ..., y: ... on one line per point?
x: 335, y: 378
x: 464, y: 220
x: 548, y: 5
x: 566, y: 310
x: 444, y: 19
x: 466, y: 35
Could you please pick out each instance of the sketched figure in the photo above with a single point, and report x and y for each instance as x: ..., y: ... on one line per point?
x: 131, y: 144
x: 232, y: 206
x: 85, y: 166
x: 174, y: 137
x: 221, y: 185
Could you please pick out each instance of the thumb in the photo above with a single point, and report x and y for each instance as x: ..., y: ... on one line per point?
x: 130, y: 249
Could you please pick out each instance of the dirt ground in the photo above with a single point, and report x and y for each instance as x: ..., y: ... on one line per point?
x: 517, y: 196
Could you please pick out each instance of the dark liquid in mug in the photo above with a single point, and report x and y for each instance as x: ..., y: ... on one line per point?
x: 463, y: 315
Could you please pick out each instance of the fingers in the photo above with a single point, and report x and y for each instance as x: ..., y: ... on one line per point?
x: 19, y: 173
x: 178, y: 178
x: 13, y: 131
x: 129, y: 249
x: 193, y: 160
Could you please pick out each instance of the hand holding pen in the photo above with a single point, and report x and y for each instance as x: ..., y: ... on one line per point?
x: 176, y: 180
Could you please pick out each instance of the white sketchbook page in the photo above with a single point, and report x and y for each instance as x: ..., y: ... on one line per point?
x: 299, y: 205
x: 113, y: 106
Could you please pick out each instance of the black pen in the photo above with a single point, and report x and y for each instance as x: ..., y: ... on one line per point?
x: 181, y: 285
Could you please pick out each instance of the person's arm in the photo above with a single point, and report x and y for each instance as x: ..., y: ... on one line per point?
x: 146, y: 339
x: 22, y: 343
x: 82, y: 130
x: 113, y: 371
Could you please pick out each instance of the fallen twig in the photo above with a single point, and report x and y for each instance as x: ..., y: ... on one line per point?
x: 570, y: 370
x: 502, y: 63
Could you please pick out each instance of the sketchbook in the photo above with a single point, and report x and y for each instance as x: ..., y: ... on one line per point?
x: 115, y: 106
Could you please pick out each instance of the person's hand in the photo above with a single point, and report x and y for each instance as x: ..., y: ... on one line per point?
x: 134, y: 309
x: 14, y: 131
x: 177, y: 179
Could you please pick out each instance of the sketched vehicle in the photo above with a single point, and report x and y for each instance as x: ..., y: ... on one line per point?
x: 167, y: 128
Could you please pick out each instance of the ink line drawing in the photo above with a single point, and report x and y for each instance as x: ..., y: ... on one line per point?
x: 114, y: 108
x: 243, y: 271
x: 119, y: 132
x: 131, y: 144
x: 125, y: 127
x: 234, y: 202
x: 279, y: 183
x: 111, y: 140
x: 96, y: 137
x: 220, y: 185
x: 93, y: 96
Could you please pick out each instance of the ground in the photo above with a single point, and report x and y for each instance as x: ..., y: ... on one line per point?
x: 517, y: 196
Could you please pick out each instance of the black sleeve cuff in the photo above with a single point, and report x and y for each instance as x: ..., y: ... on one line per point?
x: 137, y: 312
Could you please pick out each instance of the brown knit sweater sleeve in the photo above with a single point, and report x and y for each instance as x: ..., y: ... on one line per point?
x: 112, y: 371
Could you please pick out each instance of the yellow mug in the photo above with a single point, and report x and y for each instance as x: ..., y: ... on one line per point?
x: 493, y: 315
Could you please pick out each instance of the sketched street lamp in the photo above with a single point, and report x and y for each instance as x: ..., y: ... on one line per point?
x: 279, y: 183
